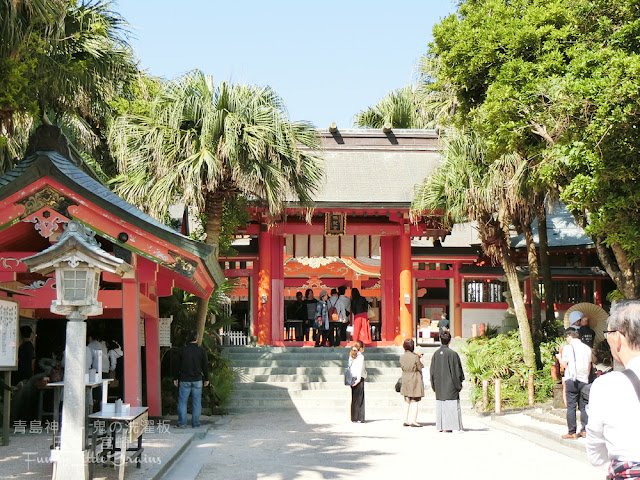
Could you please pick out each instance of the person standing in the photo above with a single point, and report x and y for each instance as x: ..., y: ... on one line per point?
x: 576, y: 361
x: 359, y: 308
x: 446, y: 380
x: 26, y: 354
x: 587, y: 334
x: 310, y: 303
x: 333, y: 303
x: 614, y: 400
x: 297, y: 312
x: 321, y: 334
x: 443, y: 324
x: 97, y: 345
x: 344, y: 310
x: 359, y: 373
x: 116, y: 366
x: 192, y: 375
x: 412, y: 388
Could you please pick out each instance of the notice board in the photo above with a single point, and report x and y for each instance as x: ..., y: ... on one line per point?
x: 9, y: 318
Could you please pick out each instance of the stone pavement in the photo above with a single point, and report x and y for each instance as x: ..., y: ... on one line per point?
x: 288, y: 446
x: 27, y: 454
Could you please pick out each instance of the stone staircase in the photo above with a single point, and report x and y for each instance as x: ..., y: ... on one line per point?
x: 311, y: 379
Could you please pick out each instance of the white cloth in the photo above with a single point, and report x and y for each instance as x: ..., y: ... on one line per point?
x: 344, y: 306
x: 577, y: 355
x: 114, y: 355
x: 613, y: 430
x: 356, y: 365
x: 96, y: 346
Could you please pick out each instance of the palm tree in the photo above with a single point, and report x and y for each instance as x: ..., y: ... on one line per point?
x: 64, y: 62
x: 398, y: 109
x: 467, y: 187
x: 202, y: 144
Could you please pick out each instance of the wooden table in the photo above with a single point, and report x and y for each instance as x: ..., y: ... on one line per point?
x: 127, y: 427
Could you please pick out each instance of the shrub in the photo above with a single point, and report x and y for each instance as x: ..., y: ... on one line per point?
x: 501, y: 357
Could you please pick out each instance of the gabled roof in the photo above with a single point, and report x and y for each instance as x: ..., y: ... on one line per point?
x: 51, y: 163
x: 563, y: 231
x: 367, y: 168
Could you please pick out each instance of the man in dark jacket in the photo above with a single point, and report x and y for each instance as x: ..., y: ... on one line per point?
x: 193, y: 368
x: 446, y: 381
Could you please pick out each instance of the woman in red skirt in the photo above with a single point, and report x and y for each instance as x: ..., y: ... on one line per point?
x: 361, y: 326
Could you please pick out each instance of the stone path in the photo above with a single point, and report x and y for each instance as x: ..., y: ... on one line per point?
x: 286, y: 446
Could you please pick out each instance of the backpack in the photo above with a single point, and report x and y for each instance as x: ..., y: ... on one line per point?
x: 333, y: 313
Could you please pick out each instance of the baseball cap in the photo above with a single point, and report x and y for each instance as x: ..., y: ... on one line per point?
x: 575, y: 317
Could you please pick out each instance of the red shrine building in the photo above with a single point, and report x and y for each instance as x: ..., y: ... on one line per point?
x: 51, y: 186
x: 360, y: 235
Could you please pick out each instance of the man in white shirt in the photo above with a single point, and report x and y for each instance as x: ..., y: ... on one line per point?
x: 614, y: 404
x: 576, y: 360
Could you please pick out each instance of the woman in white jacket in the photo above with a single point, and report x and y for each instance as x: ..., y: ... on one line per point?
x: 359, y: 373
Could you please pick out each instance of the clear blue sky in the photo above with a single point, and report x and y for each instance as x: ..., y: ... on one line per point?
x: 327, y: 60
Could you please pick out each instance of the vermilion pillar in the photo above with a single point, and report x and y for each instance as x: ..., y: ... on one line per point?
x: 388, y: 299
x: 406, y: 300
x: 131, y: 339
x: 264, y: 287
x: 148, y: 275
x: 277, y: 288
x: 457, y: 301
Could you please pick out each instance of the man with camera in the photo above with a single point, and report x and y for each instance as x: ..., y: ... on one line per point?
x: 576, y: 361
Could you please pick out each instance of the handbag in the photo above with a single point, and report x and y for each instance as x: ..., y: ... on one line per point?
x: 370, y: 313
x: 399, y: 385
x: 349, y: 380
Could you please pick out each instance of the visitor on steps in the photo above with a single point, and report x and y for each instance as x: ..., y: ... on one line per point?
x: 359, y: 373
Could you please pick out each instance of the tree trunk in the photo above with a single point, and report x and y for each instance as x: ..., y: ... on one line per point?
x: 534, y: 281
x: 521, y: 311
x: 623, y: 275
x: 545, y: 265
x: 532, y: 259
x: 213, y: 207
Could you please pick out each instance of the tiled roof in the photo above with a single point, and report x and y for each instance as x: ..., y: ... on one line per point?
x: 563, y: 231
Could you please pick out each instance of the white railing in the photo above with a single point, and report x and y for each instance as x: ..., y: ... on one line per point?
x: 231, y: 337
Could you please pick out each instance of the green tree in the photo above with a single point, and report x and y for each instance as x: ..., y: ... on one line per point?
x: 398, y: 109
x: 203, y: 144
x: 61, y: 61
x: 556, y: 82
x: 467, y: 187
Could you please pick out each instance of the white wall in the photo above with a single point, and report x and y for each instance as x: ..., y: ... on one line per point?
x: 480, y: 315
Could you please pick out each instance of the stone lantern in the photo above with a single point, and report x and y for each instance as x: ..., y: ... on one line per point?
x: 78, y: 261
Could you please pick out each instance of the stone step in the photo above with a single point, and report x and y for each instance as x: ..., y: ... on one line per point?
x: 319, y: 362
x: 313, y: 370
x: 277, y: 378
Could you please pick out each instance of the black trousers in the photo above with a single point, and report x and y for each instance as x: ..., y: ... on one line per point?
x: 357, y: 402
x: 575, y: 399
x: 334, y: 333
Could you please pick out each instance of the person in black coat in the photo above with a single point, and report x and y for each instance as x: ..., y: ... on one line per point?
x: 446, y: 380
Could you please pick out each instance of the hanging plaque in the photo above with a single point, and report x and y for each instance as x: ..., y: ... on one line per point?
x: 335, y: 223
x: 9, y: 318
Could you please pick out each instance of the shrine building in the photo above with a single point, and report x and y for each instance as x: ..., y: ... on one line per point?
x: 360, y: 235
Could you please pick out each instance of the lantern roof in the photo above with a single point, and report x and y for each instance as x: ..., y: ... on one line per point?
x: 77, y: 244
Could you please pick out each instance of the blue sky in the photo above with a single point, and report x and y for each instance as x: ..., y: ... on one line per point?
x: 327, y: 60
